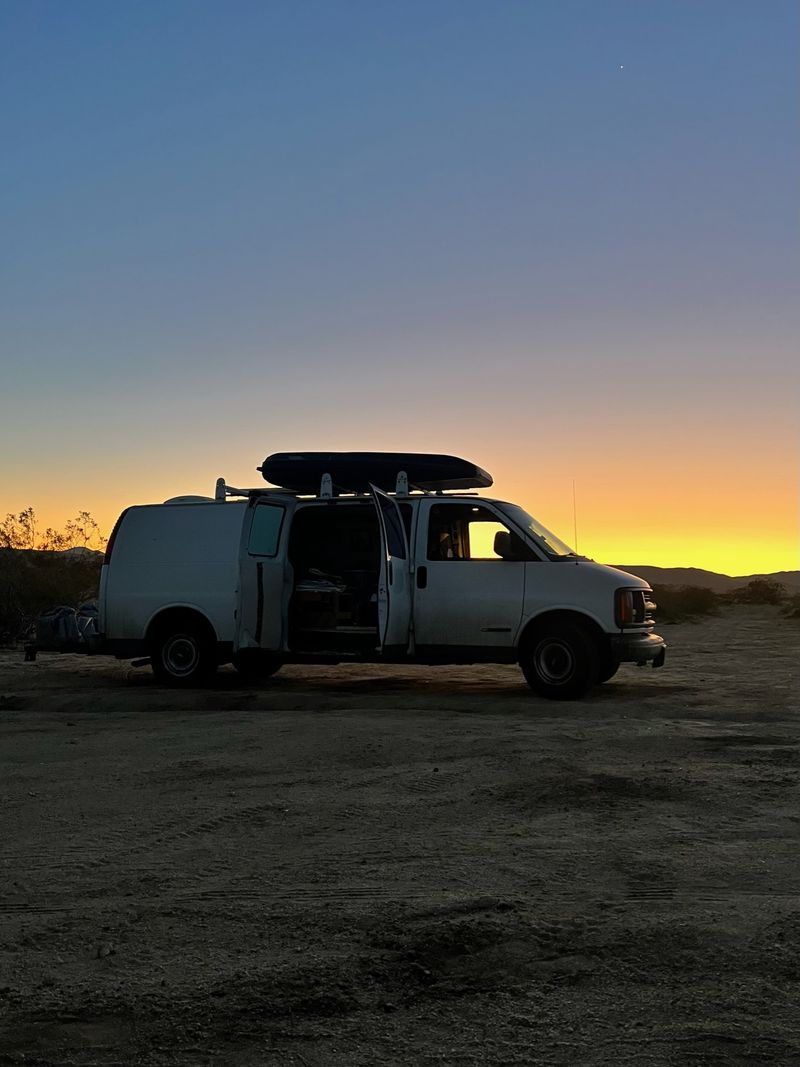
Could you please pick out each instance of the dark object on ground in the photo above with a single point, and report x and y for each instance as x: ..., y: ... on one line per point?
x: 63, y: 627
x: 31, y: 582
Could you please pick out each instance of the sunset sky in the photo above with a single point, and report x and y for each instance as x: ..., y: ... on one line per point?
x: 557, y: 237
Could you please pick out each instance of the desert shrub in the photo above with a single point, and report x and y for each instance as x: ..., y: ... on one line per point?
x: 22, y: 531
x: 678, y: 603
x: 44, y: 570
x: 791, y: 606
x: 759, y: 591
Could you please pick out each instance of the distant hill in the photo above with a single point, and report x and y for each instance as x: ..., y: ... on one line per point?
x: 719, y: 583
x: 81, y: 552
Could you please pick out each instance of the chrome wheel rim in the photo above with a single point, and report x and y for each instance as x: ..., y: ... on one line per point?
x: 554, y: 661
x: 181, y: 655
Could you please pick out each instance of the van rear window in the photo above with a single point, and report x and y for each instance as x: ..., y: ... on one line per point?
x: 265, y: 531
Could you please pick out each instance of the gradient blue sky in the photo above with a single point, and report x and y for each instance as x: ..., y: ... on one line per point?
x: 236, y: 228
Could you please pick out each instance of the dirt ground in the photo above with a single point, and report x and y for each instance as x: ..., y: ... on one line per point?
x: 365, y: 866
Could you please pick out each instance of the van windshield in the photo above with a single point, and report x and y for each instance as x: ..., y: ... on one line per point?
x: 552, y: 545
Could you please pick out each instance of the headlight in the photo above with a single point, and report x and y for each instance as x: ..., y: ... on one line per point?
x: 629, y: 607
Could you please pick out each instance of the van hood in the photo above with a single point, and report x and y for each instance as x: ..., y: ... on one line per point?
x: 619, y: 578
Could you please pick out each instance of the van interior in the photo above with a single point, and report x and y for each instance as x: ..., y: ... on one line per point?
x: 335, y: 556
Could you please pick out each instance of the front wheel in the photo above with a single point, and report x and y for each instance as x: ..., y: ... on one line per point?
x: 608, y: 666
x: 561, y: 662
x: 183, y: 655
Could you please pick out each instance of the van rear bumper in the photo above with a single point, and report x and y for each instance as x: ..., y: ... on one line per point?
x: 639, y: 648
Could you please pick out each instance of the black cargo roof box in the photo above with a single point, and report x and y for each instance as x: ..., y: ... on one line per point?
x: 352, y: 472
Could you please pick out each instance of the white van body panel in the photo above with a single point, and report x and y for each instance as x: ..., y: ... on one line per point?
x: 169, y: 555
x: 188, y: 554
x: 470, y: 603
x: 580, y: 585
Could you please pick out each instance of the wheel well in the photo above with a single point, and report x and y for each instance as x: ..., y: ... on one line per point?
x: 176, y: 617
x: 548, y: 618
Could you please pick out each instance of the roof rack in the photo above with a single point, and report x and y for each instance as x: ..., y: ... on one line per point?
x: 328, y: 490
x: 222, y: 490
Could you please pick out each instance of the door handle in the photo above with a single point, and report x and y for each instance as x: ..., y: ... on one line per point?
x: 422, y: 577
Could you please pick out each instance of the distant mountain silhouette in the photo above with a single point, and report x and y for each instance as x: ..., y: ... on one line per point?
x: 79, y: 552
x: 719, y: 583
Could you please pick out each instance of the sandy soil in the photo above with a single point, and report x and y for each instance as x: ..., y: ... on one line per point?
x: 405, y: 866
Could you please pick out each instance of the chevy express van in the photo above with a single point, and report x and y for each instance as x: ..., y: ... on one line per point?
x: 365, y: 557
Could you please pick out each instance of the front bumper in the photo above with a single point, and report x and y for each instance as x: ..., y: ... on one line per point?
x: 639, y: 648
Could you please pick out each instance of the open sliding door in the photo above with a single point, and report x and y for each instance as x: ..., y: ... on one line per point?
x: 394, y: 577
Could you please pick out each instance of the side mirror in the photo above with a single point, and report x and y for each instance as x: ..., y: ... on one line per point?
x: 502, y: 545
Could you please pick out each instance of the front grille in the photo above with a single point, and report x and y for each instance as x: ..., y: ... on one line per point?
x: 639, y: 607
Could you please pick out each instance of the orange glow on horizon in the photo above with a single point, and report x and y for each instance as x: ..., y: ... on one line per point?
x: 753, y: 530
x: 713, y: 496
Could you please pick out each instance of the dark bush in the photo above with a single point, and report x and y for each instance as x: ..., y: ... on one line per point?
x: 759, y: 591
x: 679, y: 603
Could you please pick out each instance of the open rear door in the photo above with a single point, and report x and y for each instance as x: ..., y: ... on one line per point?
x: 394, y: 578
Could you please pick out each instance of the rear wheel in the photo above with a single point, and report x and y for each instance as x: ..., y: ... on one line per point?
x: 560, y: 662
x: 183, y: 653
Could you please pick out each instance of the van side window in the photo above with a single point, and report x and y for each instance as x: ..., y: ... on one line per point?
x: 408, y: 517
x: 393, y: 521
x: 265, y: 531
x: 470, y: 531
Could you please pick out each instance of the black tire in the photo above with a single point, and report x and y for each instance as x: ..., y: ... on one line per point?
x: 560, y: 662
x: 183, y: 653
x: 256, y: 666
x: 608, y: 665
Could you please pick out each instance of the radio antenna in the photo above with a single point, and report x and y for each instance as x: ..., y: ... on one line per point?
x: 574, y: 515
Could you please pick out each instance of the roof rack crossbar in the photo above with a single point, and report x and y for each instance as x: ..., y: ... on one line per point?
x: 222, y: 491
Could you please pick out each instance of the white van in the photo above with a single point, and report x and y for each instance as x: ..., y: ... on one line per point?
x: 365, y: 557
